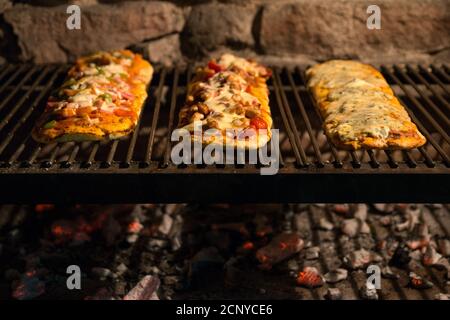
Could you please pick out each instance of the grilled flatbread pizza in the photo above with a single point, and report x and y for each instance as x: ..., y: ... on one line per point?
x: 359, y: 108
x: 229, y: 97
x: 101, y: 98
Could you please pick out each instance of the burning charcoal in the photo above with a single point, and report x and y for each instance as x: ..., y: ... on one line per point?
x: 309, y: 278
x: 175, y: 243
x: 402, y: 207
x: 442, y: 296
x: 430, y: 257
x: 333, y: 294
x: 292, y: 265
x: 166, y: 224
x: 352, y: 227
x: 28, y: 287
x: 132, y: 238
x: 444, y: 247
x: 44, y: 207
x: 144, y: 290
x: 443, y: 263
x: 281, y: 247
x: 434, y: 206
x: 387, y: 247
x: 386, y: 272
x: 384, y: 207
x: 171, y: 208
x: 360, y: 212
x: 101, y: 273
x: 156, y: 244
x: 324, y: 224
x: 418, y: 282
x: 312, y: 253
x: 420, y: 237
x: 342, y: 209
x: 121, y: 269
x: 401, y: 257
x: 134, y: 226
x: 335, y: 276
x: 358, y: 259
x: 412, y: 219
x: 386, y: 221
x: 369, y: 292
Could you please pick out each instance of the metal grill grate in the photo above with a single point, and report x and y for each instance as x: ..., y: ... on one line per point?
x: 309, y: 163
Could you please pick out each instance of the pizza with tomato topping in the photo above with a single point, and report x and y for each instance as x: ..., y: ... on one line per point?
x: 229, y: 98
x: 359, y: 107
x: 101, y: 98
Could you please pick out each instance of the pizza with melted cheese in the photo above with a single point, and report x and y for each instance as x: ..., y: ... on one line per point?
x: 231, y: 97
x: 359, y: 108
x: 101, y: 98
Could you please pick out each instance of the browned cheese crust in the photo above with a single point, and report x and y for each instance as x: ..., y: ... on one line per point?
x: 359, y: 109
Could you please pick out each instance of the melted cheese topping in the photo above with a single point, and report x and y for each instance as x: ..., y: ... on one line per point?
x: 100, y: 84
x: 224, y: 94
x: 356, y: 102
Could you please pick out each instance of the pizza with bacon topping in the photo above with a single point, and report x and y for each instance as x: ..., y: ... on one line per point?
x: 101, y: 98
x: 229, y: 96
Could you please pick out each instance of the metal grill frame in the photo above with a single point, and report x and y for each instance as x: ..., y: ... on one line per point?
x: 140, y: 177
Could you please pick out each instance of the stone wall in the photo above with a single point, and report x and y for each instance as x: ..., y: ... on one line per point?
x: 184, y: 31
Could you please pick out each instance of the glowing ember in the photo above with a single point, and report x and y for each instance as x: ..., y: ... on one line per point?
x: 248, y: 245
x: 62, y: 229
x: 134, y: 227
x: 43, y: 207
x: 309, y: 278
x: 281, y: 247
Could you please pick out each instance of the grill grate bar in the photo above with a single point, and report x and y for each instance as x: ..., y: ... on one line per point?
x: 304, y: 147
x: 19, y: 104
x: 337, y: 161
x: 418, y: 105
x: 92, y: 154
x: 428, y: 136
x: 305, y: 118
x: 11, y: 79
x: 21, y: 83
x: 151, y: 138
x: 112, y: 152
x: 442, y: 116
x: 5, y: 71
x: 290, y: 133
x: 428, y: 161
x: 173, y: 103
x: 428, y: 85
x: 291, y: 120
x: 22, y: 121
x: 409, y: 160
x: 441, y: 72
x: 373, y: 159
x: 438, y: 81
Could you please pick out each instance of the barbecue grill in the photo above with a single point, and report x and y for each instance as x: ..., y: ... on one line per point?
x: 138, y: 168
